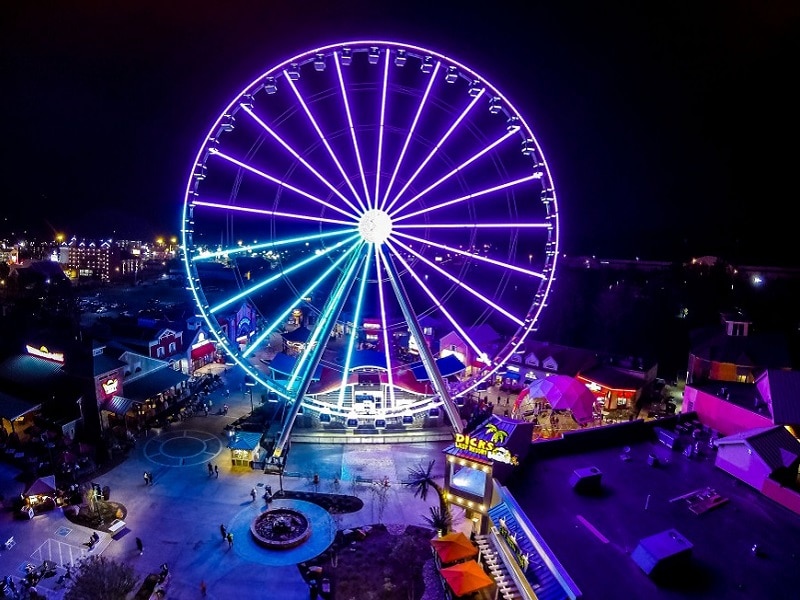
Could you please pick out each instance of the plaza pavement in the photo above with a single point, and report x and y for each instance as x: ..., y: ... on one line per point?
x: 178, y: 518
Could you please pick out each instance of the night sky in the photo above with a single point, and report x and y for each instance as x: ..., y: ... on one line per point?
x: 670, y: 132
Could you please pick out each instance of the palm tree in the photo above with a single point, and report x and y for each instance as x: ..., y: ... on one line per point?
x: 420, y: 478
x: 498, y: 435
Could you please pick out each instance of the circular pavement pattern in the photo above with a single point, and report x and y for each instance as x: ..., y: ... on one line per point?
x: 323, y: 531
x: 183, y: 448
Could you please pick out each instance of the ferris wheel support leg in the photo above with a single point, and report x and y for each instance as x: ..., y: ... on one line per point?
x: 325, y: 325
x: 439, y: 384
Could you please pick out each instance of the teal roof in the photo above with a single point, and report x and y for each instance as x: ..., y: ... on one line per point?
x: 151, y: 384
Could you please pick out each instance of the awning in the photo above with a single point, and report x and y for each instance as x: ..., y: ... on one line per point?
x: 465, y: 578
x: 119, y: 405
x: 453, y: 547
x: 203, y: 350
x: 153, y: 383
x: 511, y: 375
x: 448, y: 365
x: 44, y: 486
x: 12, y: 408
x: 244, y: 440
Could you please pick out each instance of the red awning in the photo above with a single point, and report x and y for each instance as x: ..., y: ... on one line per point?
x: 203, y: 350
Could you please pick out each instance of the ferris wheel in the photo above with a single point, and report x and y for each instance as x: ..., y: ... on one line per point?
x: 390, y: 201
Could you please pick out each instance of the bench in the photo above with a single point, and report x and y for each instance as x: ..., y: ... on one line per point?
x: 116, y: 525
x: 10, y: 543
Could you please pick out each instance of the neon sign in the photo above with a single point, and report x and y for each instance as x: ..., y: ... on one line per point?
x: 44, y: 352
x: 474, y: 445
x: 110, y: 386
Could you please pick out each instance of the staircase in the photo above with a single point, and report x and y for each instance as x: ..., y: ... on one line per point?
x: 541, y: 580
x: 492, y: 561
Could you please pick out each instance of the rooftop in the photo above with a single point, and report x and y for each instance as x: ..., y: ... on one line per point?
x: 646, y: 489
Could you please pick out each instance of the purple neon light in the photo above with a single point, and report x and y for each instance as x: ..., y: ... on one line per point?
x: 463, y: 165
x: 384, y: 330
x: 477, y: 194
x: 436, y: 148
x: 381, y: 127
x: 512, y: 225
x: 324, y: 141
x: 288, y: 186
x: 478, y: 257
x: 352, y: 127
x: 299, y: 158
x: 272, y: 213
x: 411, y: 131
x: 461, y: 284
x: 383, y: 192
x: 438, y: 303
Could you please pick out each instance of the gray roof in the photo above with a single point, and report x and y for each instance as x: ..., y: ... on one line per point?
x: 784, y: 387
x: 571, y: 361
x: 774, y: 445
x: 768, y: 350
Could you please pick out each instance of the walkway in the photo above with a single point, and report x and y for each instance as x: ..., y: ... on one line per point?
x: 178, y: 517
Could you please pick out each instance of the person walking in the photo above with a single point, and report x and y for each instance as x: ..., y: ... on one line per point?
x: 139, y: 545
x: 253, y: 494
x: 210, y: 470
x: 202, y: 588
x: 216, y: 471
x: 146, y: 478
x: 224, y: 532
x: 230, y: 540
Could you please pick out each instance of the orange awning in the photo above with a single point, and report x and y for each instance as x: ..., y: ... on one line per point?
x: 465, y: 578
x: 453, y: 547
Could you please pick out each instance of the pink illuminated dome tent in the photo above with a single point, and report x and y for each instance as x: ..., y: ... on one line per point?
x: 561, y: 393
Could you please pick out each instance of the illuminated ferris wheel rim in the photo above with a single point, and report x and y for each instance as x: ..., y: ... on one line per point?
x: 374, y: 225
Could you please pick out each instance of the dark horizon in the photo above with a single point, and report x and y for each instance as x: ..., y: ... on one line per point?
x: 666, y: 132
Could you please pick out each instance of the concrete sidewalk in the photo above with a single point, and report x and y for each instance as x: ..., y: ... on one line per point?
x: 178, y: 517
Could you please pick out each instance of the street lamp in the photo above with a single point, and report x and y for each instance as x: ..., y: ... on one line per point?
x: 250, y: 383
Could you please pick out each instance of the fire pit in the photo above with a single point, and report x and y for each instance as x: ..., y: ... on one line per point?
x: 280, y: 528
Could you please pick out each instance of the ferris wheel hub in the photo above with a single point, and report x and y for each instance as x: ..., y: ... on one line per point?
x: 375, y: 226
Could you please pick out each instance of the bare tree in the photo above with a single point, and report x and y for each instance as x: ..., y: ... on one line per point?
x: 101, y: 577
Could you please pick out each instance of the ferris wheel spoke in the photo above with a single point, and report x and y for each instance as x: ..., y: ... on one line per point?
x: 299, y: 158
x: 351, y: 341
x: 436, y: 148
x: 410, y: 134
x: 305, y: 367
x: 283, y: 315
x: 283, y: 272
x: 283, y: 184
x: 504, y: 265
x: 381, y: 127
x: 384, y: 329
x: 484, y: 357
x: 249, y: 248
x: 462, y: 285
x: 270, y: 213
x: 350, y: 124
x: 324, y: 141
x: 513, y: 131
x: 471, y: 196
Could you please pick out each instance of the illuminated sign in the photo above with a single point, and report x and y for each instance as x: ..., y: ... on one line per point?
x: 110, y: 386
x: 43, y: 352
x: 491, y: 449
x: 474, y: 445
